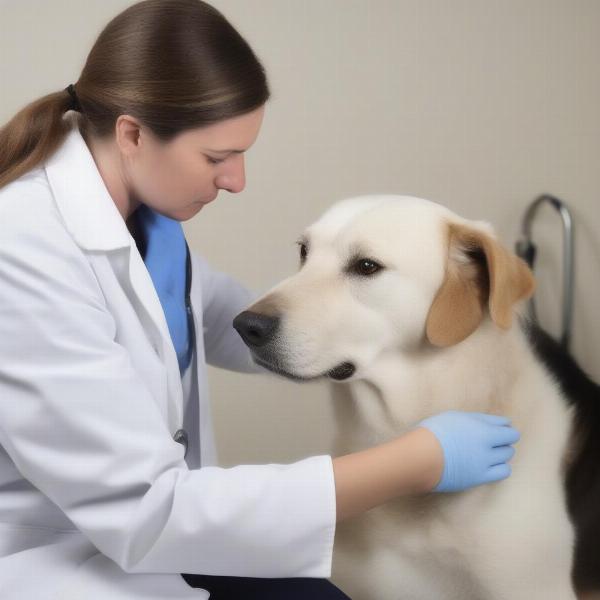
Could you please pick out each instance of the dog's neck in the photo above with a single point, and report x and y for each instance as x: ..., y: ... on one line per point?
x: 479, y: 374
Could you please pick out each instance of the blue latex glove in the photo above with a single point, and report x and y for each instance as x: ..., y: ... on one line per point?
x: 476, y: 447
x: 165, y: 260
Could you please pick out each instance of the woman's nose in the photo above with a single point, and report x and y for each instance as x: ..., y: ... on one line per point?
x: 234, y: 179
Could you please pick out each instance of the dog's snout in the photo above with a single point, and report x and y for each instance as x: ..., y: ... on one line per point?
x: 256, y: 329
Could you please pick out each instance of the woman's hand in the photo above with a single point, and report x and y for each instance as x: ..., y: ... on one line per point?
x: 473, y: 449
x: 448, y: 452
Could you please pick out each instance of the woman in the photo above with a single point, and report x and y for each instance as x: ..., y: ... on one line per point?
x: 108, y: 483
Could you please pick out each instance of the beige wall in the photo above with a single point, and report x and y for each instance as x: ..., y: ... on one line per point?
x: 478, y: 104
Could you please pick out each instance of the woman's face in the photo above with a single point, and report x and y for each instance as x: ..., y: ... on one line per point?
x: 178, y: 178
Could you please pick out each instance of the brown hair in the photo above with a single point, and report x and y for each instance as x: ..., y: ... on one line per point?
x: 172, y: 64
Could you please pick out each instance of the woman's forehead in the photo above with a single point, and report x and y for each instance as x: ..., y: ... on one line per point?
x: 236, y: 134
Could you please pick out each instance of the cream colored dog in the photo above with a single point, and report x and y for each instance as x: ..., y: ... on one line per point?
x: 413, y: 308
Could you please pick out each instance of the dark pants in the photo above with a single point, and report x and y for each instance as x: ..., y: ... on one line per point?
x: 250, y: 588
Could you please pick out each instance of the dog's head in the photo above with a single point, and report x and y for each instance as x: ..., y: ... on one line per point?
x: 382, y: 274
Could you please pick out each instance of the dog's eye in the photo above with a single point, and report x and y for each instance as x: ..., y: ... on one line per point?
x: 303, y: 251
x: 366, y: 266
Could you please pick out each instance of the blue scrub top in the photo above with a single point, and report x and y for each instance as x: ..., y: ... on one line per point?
x: 162, y: 245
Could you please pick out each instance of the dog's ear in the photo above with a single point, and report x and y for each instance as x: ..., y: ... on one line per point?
x: 480, y: 274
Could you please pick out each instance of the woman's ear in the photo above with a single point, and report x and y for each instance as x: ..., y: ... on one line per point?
x: 480, y: 274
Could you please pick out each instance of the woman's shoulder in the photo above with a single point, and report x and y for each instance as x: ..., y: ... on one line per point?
x: 31, y: 191
x: 29, y: 212
x: 34, y: 180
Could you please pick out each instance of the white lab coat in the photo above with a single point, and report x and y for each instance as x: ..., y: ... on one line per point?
x: 96, y: 499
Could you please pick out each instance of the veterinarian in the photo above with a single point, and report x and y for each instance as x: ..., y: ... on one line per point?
x: 109, y: 487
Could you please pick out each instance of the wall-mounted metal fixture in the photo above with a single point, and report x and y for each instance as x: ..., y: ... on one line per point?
x: 526, y: 249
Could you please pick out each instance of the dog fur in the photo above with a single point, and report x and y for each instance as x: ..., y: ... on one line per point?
x: 435, y: 327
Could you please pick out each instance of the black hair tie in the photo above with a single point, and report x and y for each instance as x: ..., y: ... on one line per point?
x: 74, y: 100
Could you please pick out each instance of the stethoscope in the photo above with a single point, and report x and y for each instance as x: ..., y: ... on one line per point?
x: 181, y: 435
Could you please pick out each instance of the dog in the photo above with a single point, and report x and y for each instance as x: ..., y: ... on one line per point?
x: 409, y: 310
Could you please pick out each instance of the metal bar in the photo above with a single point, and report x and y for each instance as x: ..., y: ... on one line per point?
x: 526, y: 249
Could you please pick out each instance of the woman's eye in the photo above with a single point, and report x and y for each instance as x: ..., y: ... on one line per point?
x: 214, y: 161
x: 366, y: 266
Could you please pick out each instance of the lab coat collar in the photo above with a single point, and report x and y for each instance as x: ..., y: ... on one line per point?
x: 87, y: 208
x: 95, y: 223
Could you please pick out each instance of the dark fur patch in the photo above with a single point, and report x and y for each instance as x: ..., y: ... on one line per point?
x: 582, y: 482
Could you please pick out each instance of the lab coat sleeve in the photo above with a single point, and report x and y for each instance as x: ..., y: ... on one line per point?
x: 222, y: 298
x: 82, y: 427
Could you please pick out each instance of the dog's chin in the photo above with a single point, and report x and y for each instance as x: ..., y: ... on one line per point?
x: 340, y: 372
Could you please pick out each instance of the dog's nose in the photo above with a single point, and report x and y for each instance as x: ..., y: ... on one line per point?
x: 255, y: 329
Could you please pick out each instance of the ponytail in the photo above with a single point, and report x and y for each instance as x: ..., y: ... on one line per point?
x: 172, y: 64
x: 32, y: 135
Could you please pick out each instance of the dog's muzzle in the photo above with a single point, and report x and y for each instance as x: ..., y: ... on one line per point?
x: 259, y: 330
